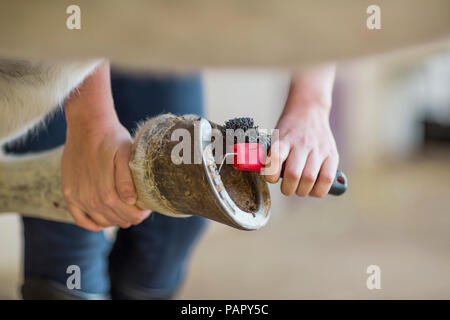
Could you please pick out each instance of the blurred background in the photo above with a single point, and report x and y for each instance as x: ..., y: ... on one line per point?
x: 391, y: 119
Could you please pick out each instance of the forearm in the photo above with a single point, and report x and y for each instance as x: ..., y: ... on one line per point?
x: 91, y: 105
x: 311, y: 89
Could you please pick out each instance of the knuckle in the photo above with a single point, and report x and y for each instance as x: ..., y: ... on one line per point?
x: 311, y: 144
x: 333, y: 154
x: 94, y: 203
x: 67, y: 192
x: 302, y: 141
x: 292, y: 175
x: 125, y: 187
x: 327, y: 178
x: 109, y: 198
x: 301, y: 193
x: 316, y: 150
x: 308, y: 177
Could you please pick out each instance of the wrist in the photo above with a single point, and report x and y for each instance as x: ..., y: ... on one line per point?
x: 311, y: 91
x: 92, y: 132
x: 90, y: 117
x: 91, y: 106
x: 303, y: 110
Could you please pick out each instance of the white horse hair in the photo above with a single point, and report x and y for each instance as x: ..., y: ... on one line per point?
x: 31, y: 90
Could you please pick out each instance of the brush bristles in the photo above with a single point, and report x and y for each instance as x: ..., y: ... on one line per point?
x: 240, y: 123
x: 247, y: 125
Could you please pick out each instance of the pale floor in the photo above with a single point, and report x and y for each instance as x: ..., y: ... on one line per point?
x: 396, y: 217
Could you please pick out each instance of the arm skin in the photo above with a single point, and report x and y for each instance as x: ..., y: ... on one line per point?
x: 305, y: 138
x: 96, y: 180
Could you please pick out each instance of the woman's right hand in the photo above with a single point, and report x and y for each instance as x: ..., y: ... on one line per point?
x: 96, y: 180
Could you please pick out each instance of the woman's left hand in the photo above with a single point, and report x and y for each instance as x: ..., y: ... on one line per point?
x: 307, y: 145
x: 305, y: 140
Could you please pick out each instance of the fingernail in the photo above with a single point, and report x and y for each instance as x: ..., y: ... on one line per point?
x: 131, y: 201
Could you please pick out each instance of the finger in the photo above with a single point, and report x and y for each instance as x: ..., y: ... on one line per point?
x: 114, y: 219
x: 101, y: 219
x: 100, y: 212
x: 293, y: 170
x: 277, y: 155
x: 123, y: 179
x: 82, y: 219
x: 131, y: 214
x: 309, y: 174
x: 326, y: 177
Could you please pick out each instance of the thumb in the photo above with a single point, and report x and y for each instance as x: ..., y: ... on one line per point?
x: 274, y: 161
x: 123, y: 179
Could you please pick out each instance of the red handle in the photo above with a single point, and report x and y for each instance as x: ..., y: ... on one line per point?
x: 252, y: 157
x: 248, y: 156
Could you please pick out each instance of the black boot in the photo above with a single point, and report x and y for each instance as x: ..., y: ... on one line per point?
x: 42, y: 289
x: 125, y: 291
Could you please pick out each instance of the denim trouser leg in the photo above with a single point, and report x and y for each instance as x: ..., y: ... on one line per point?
x: 149, y: 260
x: 51, y: 247
x: 146, y: 260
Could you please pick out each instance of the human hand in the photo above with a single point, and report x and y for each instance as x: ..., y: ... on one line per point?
x: 305, y: 140
x: 96, y: 180
x: 307, y: 145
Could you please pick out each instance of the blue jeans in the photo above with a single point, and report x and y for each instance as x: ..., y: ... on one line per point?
x: 149, y: 258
